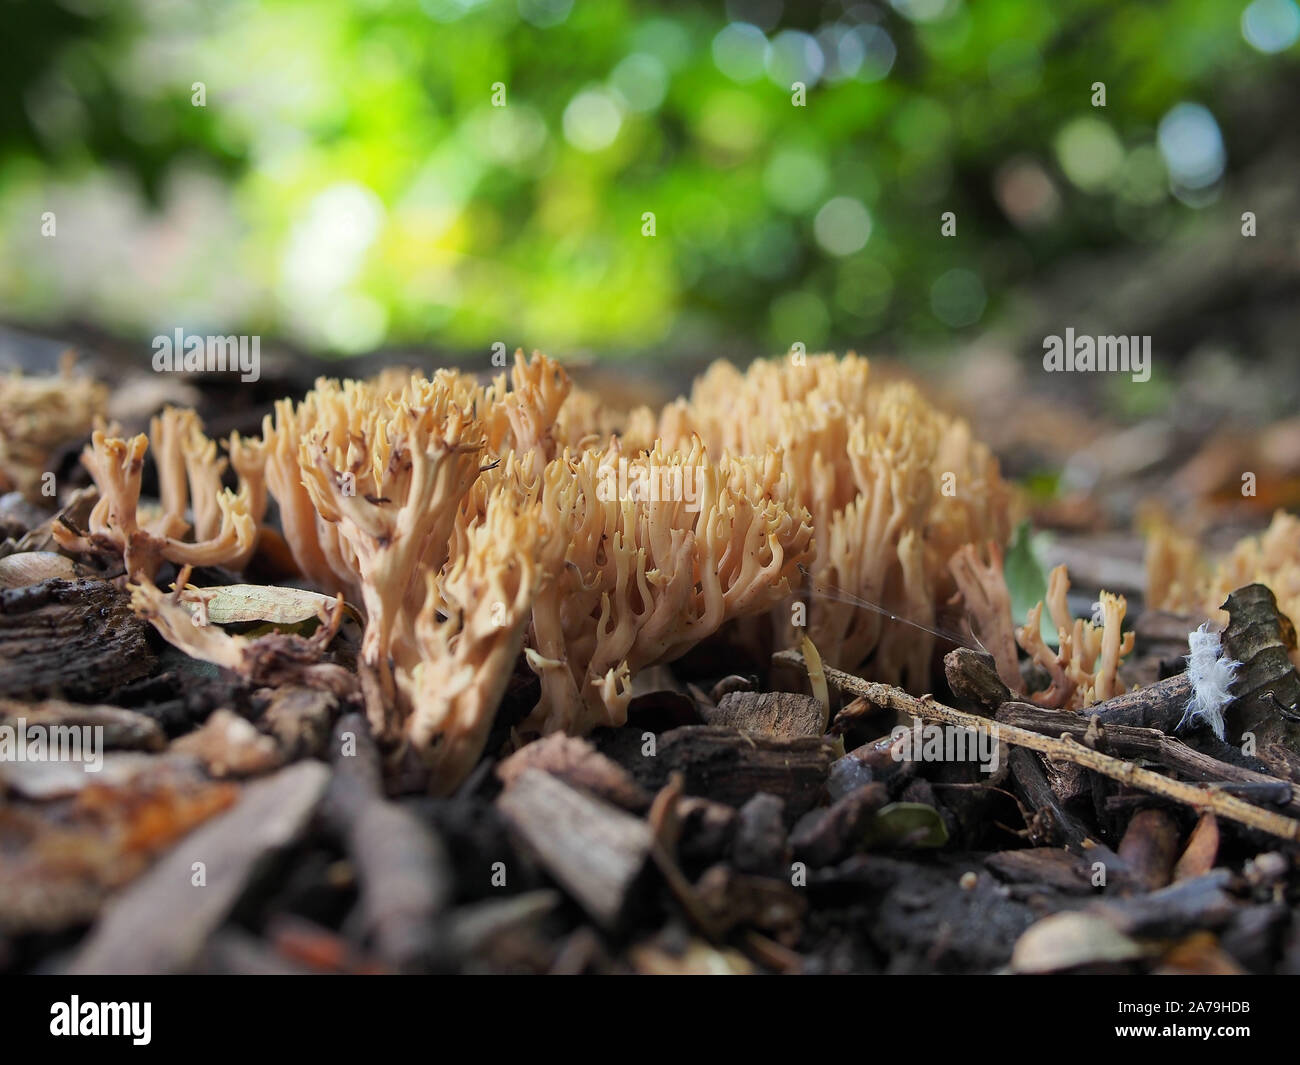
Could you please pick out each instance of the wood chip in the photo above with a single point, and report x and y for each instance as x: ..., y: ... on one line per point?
x: 122, y: 729
x: 230, y: 746
x: 577, y: 763
x: 594, y: 850
x: 730, y: 767
x: 300, y: 719
x: 161, y: 923
x: 784, y: 715
x: 72, y: 639
x: 1201, y: 851
x: 1149, y: 846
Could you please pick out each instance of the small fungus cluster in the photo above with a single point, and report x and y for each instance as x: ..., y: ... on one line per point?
x: 1179, y: 578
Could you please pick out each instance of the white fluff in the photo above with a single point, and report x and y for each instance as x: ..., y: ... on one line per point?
x: 1212, y: 674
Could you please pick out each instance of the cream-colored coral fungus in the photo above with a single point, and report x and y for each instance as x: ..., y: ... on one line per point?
x: 38, y: 415
x: 474, y: 520
x: 1084, y: 668
x: 468, y: 635
x: 984, y: 591
x: 189, y: 478
x: 894, y: 488
x: 662, y: 548
x: 1180, y: 579
x: 389, y: 477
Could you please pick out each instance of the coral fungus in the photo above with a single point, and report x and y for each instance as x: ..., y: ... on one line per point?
x: 1179, y: 579
x: 894, y: 488
x: 223, y: 525
x: 473, y: 521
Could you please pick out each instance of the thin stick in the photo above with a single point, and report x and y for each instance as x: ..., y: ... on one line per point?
x: 1066, y: 748
x: 1150, y: 744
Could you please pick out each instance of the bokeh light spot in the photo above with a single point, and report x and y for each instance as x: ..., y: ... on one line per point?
x: 740, y: 51
x: 842, y: 226
x: 1271, y: 25
x: 794, y: 179
x: 641, y: 80
x: 1089, y: 152
x: 957, y: 298
x: 1192, y: 146
x: 592, y: 120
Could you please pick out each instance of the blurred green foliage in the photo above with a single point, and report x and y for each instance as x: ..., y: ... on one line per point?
x: 349, y: 182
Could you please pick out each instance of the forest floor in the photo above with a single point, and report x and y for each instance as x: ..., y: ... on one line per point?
x: 227, y: 832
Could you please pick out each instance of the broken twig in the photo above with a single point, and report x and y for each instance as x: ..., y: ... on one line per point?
x: 1069, y: 749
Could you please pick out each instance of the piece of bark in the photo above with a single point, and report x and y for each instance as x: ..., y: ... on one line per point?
x: 729, y: 766
x: 471, y: 929
x: 1149, y: 846
x: 181, y: 699
x: 761, y: 846
x: 1267, y: 687
x: 1072, y: 784
x: 42, y: 781
x: 1186, y: 906
x: 973, y: 677
x: 1051, y: 867
x: 405, y: 873
x: 578, y: 763
x: 353, y: 752
x: 230, y: 746
x: 71, y: 639
x: 1126, y: 741
x: 160, y: 924
x: 784, y: 715
x: 594, y: 850
x: 826, y: 836
x: 122, y: 729
x: 1052, y: 823
x: 62, y: 860
x: 1159, y: 706
x: 406, y: 881
x: 300, y: 719
x: 1202, y: 849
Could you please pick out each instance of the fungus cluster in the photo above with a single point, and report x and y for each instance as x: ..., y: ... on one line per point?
x: 473, y: 522
x: 1084, y: 667
x: 644, y: 578
x: 198, y: 522
x: 1180, y: 579
x: 38, y: 416
x: 894, y: 488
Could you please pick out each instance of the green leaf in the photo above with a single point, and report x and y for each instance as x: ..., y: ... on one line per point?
x: 1027, y: 579
x: 906, y: 824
